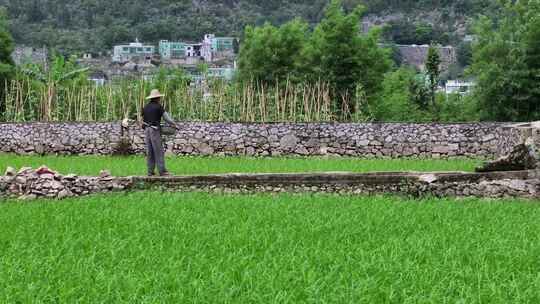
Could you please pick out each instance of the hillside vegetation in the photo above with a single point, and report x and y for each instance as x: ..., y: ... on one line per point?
x: 318, y: 69
x: 96, y: 25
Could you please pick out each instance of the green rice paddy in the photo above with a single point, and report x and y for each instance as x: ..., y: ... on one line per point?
x: 136, y: 165
x: 153, y: 247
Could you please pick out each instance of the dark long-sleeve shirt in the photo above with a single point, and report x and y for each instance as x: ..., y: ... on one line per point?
x: 153, y: 112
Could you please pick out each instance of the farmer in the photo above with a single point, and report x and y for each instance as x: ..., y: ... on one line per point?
x: 152, y: 114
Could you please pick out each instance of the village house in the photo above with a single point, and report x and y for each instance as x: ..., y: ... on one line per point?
x: 172, y: 50
x: 212, y: 48
x: 458, y: 87
x: 99, y: 78
x: 225, y: 73
x: 136, y: 59
x: 194, y: 50
x: 24, y: 55
x: 134, y: 51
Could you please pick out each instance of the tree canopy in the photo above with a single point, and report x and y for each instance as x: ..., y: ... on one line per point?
x: 6, y: 48
x: 334, y: 53
x: 506, y: 63
x: 96, y: 25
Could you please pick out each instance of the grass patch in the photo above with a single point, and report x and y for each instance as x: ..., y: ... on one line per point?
x: 136, y: 165
x: 152, y: 247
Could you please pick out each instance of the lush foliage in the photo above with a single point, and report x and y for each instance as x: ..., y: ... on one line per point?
x: 456, y: 107
x: 156, y: 247
x: 272, y: 55
x: 404, y: 31
x: 506, y: 63
x: 96, y: 25
x: 433, y: 63
x: 52, y: 80
x: 344, y: 59
x: 334, y: 53
x: 6, y: 63
x: 29, y: 99
x: 407, y: 97
x: 301, y: 71
x: 404, y: 98
x: 134, y: 165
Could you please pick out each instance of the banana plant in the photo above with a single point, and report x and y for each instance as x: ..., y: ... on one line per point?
x: 59, y: 72
x: 51, y: 79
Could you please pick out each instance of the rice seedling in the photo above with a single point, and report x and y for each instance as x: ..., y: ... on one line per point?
x: 135, y: 165
x: 154, y: 247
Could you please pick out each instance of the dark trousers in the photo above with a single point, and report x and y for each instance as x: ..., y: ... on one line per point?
x: 154, y: 151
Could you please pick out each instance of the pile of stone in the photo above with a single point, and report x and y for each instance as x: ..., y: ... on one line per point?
x: 522, y: 157
x: 28, y: 183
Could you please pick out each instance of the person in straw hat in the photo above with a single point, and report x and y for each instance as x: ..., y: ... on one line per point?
x: 153, y: 112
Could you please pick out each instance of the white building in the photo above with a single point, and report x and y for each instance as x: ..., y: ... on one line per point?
x: 206, y: 48
x: 99, y: 78
x: 214, y: 48
x: 134, y: 50
x: 458, y: 87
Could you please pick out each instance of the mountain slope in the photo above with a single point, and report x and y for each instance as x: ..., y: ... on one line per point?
x: 96, y: 25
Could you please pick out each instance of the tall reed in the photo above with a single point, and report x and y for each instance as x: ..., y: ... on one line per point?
x: 26, y: 100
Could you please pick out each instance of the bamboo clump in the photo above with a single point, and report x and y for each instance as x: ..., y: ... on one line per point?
x: 214, y: 101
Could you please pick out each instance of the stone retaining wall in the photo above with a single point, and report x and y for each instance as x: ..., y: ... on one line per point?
x: 360, y: 140
x: 525, y: 184
x: 28, y: 183
x: 31, y: 184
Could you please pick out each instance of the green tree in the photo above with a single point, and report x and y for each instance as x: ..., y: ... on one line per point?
x: 35, y: 12
x: 59, y: 76
x: 433, y: 71
x: 531, y: 78
x: 419, y: 90
x: 190, y: 20
x: 169, y: 79
x: 457, y: 108
x: 397, y: 101
x: 424, y: 33
x: 118, y: 33
x: 236, y: 46
x: 269, y: 54
x: 506, y: 63
x: 339, y: 55
x: 400, y: 31
x: 6, y: 62
x: 464, y: 54
x: 405, y: 31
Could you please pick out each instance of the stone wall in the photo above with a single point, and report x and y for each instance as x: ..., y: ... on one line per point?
x: 28, y: 183
x: 416, y: 55
x: 62, y: 138
x: 32, y: 184
x: 524, y: 184
x: 24, y: 54
x: 359, y: 140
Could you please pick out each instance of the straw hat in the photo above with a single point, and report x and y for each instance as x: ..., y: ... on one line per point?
x: 155, y: 94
